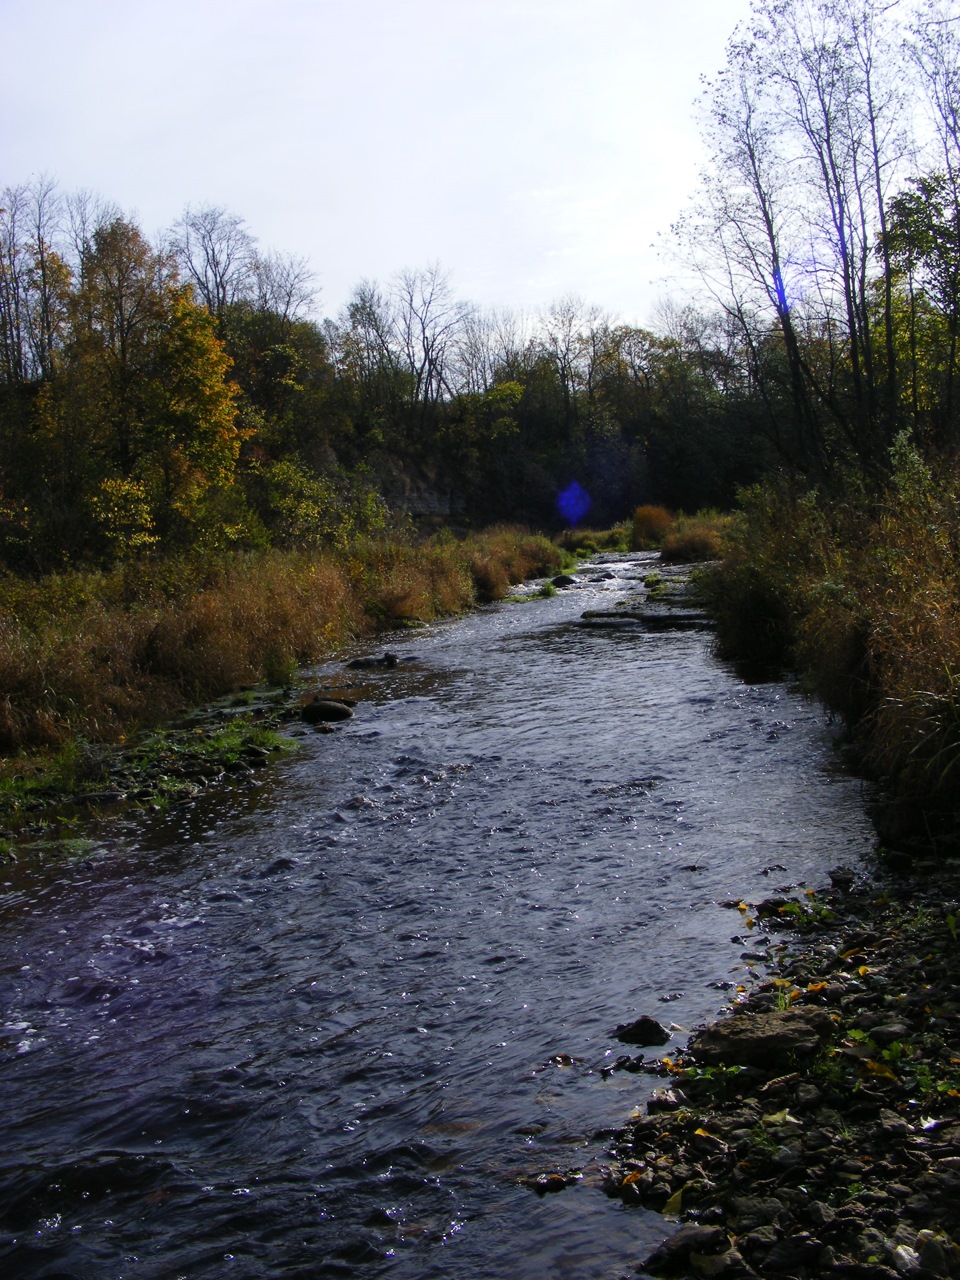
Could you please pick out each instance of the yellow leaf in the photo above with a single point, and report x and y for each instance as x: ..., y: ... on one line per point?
x: 863, y: 970
x: 879, y: 1069
x: 780, y: 1117
x: 816, y: 986
x: 633, y: 1176
x: 672, y: 1207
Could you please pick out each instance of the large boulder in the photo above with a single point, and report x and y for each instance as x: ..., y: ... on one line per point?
x: 772, y: 1041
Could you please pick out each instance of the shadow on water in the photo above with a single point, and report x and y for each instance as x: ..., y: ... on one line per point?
x: 323, y: 1028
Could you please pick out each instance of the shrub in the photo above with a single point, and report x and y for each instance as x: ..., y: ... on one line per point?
x: 650, y: 523
x: 695, y: 538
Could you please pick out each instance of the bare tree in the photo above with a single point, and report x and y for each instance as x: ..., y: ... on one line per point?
x: 428, y: 323
x: 805, y: 127
x: 34, y: 281
x: 216, y: 253
x: 13, y: 285
x: 283, y: 285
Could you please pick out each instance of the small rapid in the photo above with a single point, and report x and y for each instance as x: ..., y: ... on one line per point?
x: 324, y: 1026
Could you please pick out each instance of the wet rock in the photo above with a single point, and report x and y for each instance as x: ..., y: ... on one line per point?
x: 771, y: 1040
x: 368, y: 664
x: 757, y: 1244
x: 325, y: 710
x: 771, y: 908
x: 842, y: 878
x: 643, y: 1031
x: 548, y: 1183
x: 681, y: 1249
x: 564, y: 580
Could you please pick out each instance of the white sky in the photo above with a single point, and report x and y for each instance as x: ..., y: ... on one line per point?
x: 534, y: 148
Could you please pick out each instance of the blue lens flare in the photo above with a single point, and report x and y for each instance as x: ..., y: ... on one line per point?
x: 573, y: 503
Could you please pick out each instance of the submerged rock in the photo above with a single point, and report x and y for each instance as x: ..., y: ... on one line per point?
x: 366, y: 664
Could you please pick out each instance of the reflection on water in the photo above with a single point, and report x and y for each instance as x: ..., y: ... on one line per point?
x: 322, y: 1030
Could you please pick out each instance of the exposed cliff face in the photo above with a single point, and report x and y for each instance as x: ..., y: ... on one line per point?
x: 418, y: 489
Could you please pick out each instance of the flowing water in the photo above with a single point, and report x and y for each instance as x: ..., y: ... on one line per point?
x: 323, y: 1027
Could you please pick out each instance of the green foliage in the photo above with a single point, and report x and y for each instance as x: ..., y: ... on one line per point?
x: 307, y: 510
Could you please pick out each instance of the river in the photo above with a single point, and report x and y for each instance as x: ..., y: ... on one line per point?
x: 323, y: 1026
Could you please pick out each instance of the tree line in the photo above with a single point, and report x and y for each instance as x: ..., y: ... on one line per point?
x: 185, y: 392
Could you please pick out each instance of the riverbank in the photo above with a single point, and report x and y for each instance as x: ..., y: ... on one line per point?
x: 859, y: 593
x: 815, y: 1130
x: 91, y: 663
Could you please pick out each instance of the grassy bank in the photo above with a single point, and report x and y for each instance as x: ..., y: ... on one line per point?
x: 863, y: 599
x: 100, y: 656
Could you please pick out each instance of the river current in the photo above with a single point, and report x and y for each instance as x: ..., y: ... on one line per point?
x: 323, y: 1027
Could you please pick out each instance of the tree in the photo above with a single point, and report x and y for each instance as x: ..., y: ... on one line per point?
x: 923, y: 249
x: 805, y: 129
x: 142, y: 396
x: 216, y: 254
x: 34, y: 282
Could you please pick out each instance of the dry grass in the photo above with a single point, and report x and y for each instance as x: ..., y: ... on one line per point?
x: 867, y: 607
x: 650, y: 523
x: 100, y: 655
x: 691, y: 539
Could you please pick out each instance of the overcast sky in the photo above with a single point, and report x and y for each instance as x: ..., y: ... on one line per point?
x: 534, y: 148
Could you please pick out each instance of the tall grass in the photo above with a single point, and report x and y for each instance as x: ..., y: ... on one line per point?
x: 102, y: 654
x: 587, y: 542
x: 864, y: 600
x: 699, y: 537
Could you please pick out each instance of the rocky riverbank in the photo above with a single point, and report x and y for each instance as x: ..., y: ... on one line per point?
x: 815, y: 1130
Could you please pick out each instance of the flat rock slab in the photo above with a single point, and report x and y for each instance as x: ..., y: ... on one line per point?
x: 769, y: 1040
